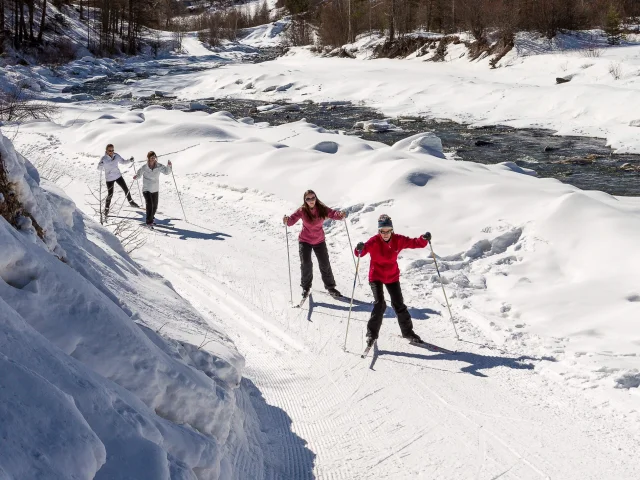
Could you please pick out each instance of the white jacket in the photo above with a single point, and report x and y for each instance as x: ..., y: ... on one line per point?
x: 110, y: 166
x: 151, y: 177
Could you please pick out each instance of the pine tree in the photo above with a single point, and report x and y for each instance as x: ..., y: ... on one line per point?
x: 612, y: 26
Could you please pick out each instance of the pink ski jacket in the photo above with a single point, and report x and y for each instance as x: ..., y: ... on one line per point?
x: 312, y: 231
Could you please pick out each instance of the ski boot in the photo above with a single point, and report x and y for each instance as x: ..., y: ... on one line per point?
x: 412, y: 337
x: 334, y: 292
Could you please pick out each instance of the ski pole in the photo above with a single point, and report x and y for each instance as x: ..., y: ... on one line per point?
x: 100, y: 194
x: 433, y: 255
x: 178, y: 192
x: 125, y: 197
x: 286, y: 234
x: 137, y: 181
x: 344, y: 347
x: 351, y: 248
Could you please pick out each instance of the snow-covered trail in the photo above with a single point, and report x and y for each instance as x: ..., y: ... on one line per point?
x: 403, y: 413
x: 406, y: 412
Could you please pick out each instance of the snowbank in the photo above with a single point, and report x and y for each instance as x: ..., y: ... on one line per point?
x: 95, y: 390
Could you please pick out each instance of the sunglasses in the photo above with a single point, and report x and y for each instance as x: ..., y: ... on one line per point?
x: 109, y: 151
x: 309, y: 199
x: 386, y: 232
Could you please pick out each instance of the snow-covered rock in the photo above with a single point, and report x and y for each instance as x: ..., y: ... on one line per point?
x: 376, y: 126
x: 427, y: 142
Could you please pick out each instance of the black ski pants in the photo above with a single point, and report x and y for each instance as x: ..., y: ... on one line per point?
x: 379, y: 307
x: 151, y: 201
x: 123, y: 185
x: 306, y: 265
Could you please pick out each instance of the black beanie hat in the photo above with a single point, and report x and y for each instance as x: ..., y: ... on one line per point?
x: 384, y: 221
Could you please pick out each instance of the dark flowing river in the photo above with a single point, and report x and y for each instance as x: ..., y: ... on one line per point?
x: 584, y: 162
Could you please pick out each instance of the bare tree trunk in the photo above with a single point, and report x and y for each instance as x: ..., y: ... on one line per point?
x: 44, y: 14
x: 129, y: 26
x: 453, y: 14
x: 23, y: 25
x: 31, y: 8
x: 1, y: 26
x: 392, y: 21
x: 15, y: 24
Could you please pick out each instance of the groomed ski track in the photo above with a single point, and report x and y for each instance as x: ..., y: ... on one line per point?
x: 403, y: 412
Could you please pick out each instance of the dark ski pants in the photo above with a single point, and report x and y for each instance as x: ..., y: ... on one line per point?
x: 123, y: 185
x: 151, y: 201
x: 306, y: 265
x: 379, y: 307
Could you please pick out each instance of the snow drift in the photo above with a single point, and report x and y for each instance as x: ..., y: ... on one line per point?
x: 88, y: 384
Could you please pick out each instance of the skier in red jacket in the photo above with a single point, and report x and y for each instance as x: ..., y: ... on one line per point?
x: 384, y: 249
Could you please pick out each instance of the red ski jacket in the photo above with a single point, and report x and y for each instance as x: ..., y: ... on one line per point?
x: 384, y: 256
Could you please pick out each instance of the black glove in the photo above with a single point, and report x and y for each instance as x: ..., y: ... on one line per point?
x: 131, y: 159
x: 427, y: 236
x: 360, y: 246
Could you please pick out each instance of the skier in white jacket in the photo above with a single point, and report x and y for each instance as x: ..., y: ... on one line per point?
x: 109, y: 163
x: 150, y: 172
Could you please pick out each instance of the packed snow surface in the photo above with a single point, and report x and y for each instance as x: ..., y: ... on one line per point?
x: 540, y: 276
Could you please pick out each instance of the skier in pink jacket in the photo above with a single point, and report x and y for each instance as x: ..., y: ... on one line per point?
x: 313, y: 214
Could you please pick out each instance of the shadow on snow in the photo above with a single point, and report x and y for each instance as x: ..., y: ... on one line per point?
x: 285, y: 453
x: 475, y: 362
x: 362, y: 306
x: 165, y: 226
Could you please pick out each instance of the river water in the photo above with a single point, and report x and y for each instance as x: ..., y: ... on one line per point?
x: 584, y: 162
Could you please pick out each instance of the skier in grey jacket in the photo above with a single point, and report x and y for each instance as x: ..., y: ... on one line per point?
x: 150, y: 172
x: 109, y: 163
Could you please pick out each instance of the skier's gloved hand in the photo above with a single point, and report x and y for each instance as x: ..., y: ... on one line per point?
x: 343, y: 215
x: 169, y: 163
x: 427, y: 236
x: 131, y: 159
x: 360, y: 246
x: 285, y: 219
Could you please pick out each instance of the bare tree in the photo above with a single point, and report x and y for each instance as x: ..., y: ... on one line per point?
x: 130, y: 233
x: 16, y: 106
x: 178, y: 35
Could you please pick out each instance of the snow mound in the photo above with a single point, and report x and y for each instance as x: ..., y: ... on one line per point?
x: 428, y: 143
x: 93, y: 391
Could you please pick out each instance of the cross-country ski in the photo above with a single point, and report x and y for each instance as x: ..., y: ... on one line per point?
x: 367, y: 349
x: 432, y: 347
